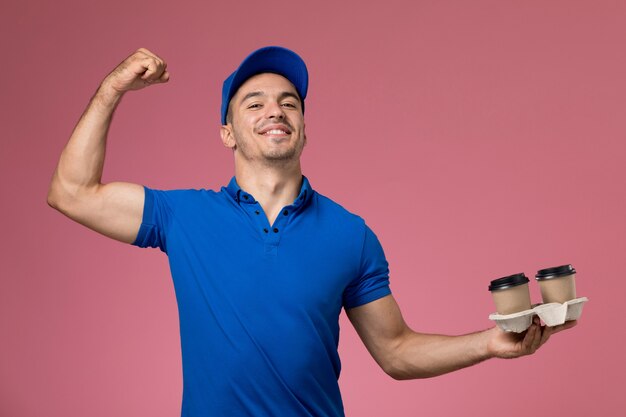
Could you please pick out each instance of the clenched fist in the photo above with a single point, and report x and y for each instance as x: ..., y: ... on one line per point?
x: 139, y: 70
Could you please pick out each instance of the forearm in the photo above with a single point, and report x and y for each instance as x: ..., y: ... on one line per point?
x: 405, y: 354
x: 426, y: 355
x: 82, y: 160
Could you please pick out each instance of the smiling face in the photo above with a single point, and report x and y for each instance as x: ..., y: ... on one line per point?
x: 265, y: 121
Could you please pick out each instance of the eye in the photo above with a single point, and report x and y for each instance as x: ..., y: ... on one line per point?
x: 290, y: 105
x: 254, y: 106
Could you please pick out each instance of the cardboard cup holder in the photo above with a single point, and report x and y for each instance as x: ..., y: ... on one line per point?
x: 552, y: 314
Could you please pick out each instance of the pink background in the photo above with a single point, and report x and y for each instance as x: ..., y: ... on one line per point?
x: 478, y: 139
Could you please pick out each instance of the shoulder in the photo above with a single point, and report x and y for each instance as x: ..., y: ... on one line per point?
x: 337, y: 212
x: 182, y: 192
x: 176, y: 198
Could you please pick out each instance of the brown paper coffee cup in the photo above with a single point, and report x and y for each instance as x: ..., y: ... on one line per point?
x: 557, y: 284
x: 511, y: 294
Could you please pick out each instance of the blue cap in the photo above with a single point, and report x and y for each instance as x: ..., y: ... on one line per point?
x: 273, y: 59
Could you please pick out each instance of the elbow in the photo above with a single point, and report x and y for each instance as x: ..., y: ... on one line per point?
x: 52, y: 198
x: 55, y: 196
x: 395, y: 369
x: 397, y: 372
x: 392, y: 361
x: 403, y: 374
x: 61, y: 196
x: 398, y: 376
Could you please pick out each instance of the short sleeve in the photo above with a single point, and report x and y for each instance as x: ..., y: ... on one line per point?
x: 372, y: 281
x: 157, y: 212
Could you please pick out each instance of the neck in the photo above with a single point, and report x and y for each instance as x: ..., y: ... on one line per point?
x: 274, y: 187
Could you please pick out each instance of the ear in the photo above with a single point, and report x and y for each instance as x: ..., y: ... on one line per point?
x: 226, y: 132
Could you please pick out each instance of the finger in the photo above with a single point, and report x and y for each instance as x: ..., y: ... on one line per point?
x: 565, y: 326
x: 151, y: 68
x: 155, y: 73
x: 165, y: 77
x: 531, y: 334
x: 536, y: 342
x: 163, y: 74
x: 144, y: 50
x: 547, y: 332
x: 147, y: 52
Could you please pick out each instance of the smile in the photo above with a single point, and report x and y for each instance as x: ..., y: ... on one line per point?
x: 275, y: 132
x: 275, y: 129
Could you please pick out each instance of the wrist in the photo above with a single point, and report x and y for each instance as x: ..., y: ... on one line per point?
x: 484, y: 346
x: 107, y: 96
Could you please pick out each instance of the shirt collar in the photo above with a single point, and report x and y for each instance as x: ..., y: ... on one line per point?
x: 240, y: 196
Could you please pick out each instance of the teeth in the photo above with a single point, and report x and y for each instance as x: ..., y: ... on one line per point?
x: 275, y: 132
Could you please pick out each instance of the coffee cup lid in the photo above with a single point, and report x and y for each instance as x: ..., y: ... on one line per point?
x: 508, y: 282
x: 555, y: 272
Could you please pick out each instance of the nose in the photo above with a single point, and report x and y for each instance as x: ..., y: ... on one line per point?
x: 275, y: 111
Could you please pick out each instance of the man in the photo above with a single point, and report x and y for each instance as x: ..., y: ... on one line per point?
x: 263, y: 267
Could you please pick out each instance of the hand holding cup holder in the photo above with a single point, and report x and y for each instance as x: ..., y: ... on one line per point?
x: 558, y: 291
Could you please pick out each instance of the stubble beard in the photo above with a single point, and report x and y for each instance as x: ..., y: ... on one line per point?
x: 272, y: 156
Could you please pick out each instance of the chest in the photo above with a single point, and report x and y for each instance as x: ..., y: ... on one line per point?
x: 305, y: 266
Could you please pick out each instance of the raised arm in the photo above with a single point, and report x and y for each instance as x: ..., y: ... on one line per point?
x: 405, y: 354
x: 114, y: 209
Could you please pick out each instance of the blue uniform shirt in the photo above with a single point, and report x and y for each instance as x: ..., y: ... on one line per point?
x: 259, y: 304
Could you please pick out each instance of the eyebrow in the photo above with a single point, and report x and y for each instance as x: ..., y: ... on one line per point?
x: 252, y: 94
x: 281, y: 96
